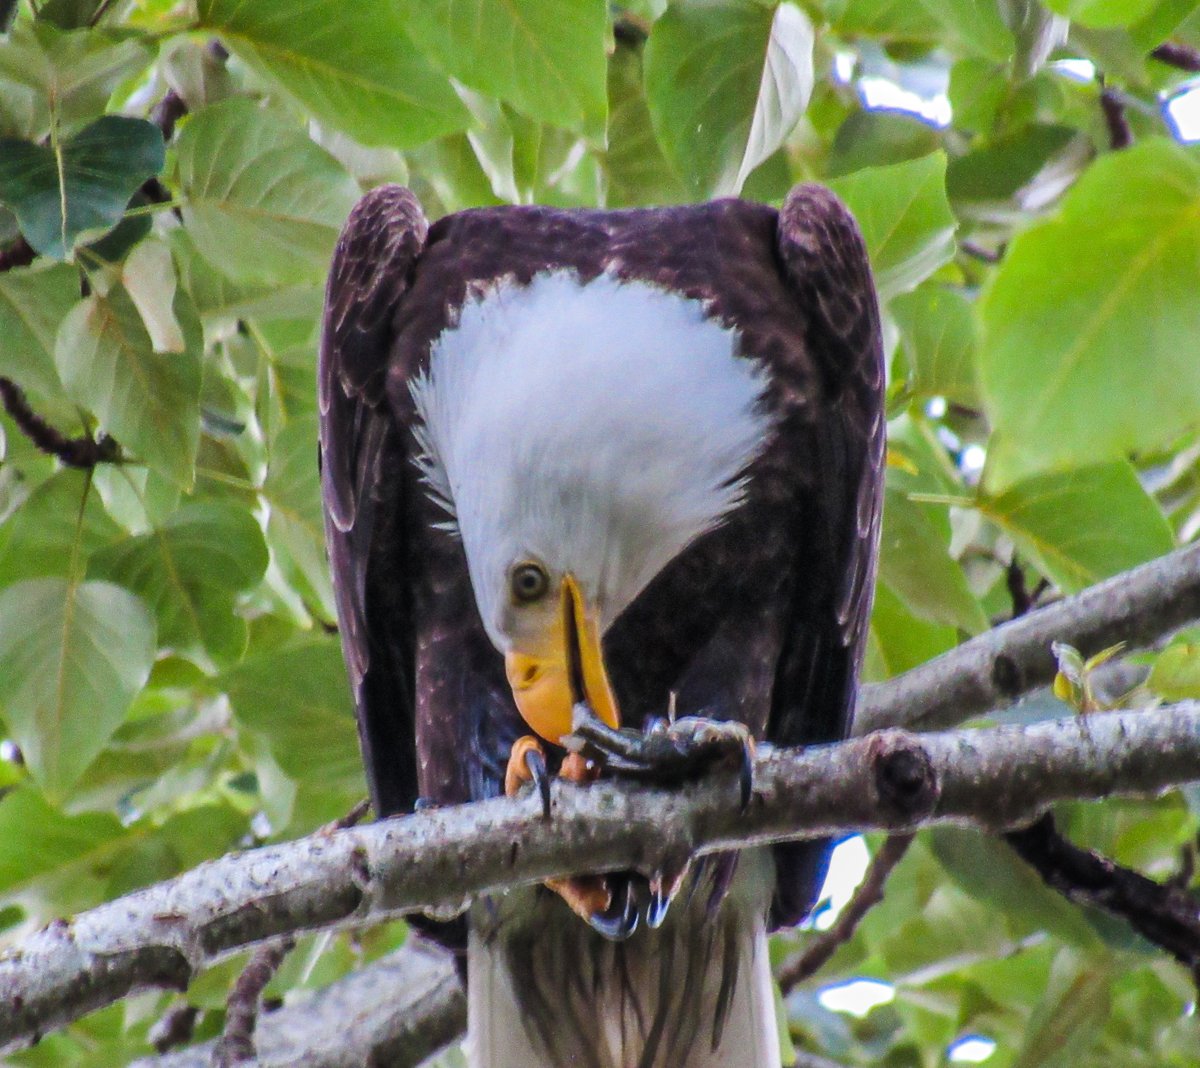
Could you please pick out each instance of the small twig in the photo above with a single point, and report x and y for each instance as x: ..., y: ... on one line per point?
x: 350, y: 819
x: 18, y: 253
x: 236, y: 1045
x: 1165, y: 915
x: 175, y: 1028
x: 85, y: 452
x: 1120, y: 134
x: 1180, y: 56
x: 813, y: 957
x: 987, y: 255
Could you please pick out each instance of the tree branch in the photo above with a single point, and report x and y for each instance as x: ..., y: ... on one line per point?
x: 996, y: 778
x: 82, y: 452
x: 990, y: 671
x: 397, y: 1011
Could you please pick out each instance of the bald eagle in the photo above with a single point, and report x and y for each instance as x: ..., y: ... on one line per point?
x: 629, y: 458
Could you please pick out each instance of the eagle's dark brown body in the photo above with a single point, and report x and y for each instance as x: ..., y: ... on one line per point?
x: 762, y: 619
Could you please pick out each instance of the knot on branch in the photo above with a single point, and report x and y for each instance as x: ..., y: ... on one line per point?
x: 905, y: 780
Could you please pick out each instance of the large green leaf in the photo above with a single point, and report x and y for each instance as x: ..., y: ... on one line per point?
x: 84, y: 185
x: 725, y: 83
x: 1090, y: 324
x: 941, y: 338
x: 264, y: 204
x: 72, y: 656
x: 189, y: 571
x: 976, y: 26
x: 351, y: 65
x: 49, y: 527
x: 72, y: 74
x: 1084, y: 525
x: 149, y: 401
x: 298, y: 699
x: 914, y: 560
x: 545, y: 57
x: 899, y: 640
x: 1073, y: 1009
x: 33, y: 303
x: 905, y: 219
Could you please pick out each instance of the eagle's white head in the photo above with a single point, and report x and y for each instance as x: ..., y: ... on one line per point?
x: 581, y: 435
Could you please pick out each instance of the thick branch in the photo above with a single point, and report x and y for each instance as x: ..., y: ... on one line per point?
x: 398, y: 1011
x: 997, y: 778
x: 994, y: 669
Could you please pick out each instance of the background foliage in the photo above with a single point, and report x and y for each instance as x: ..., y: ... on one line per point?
x: 172, y: 178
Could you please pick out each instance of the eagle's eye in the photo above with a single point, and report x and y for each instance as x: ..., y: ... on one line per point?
x: 529, y: 582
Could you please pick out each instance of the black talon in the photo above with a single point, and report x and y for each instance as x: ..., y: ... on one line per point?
x: 746, y: 777
x: 536, y: 763
x: 620, y: 919
x: 424, y: 804
x: 656, y: 909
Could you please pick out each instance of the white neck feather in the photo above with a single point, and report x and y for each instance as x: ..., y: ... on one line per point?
x: 598, y: 427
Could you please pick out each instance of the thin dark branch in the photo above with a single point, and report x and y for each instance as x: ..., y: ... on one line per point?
x: 84, y: 452
x: 1166, y: 915
x: 236, y: 1045
x: 167, y: 112
x: 1180, y: 56
x: 976, y: 251
x: 1001, y: 665
x: 813, y: 957
x: 19, y: 253
x: 175, y: 1028
x: 1120, y: 133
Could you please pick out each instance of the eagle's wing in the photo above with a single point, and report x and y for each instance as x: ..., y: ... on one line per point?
x: 825, y: 264
x: 362, y: 452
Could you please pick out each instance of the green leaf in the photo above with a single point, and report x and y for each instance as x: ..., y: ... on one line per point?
x: 975, y: 25
x: 33, y: 302
x: 296, y: 525
x: 637, y: 172
x: 189, y: 571
x: 43, y: 534
x: 1102, y: 12
x: 1081, y: 526
x: 725, y: 83
x: 914, y: 560
x: 72, y: 656
x: 1067, y: 1022
x: 871, y: 136
x: 298, y: 699
x: 998, y: 170
x: 351, y: 65
x: 1175, y: 675
x: 148, y: 401
x: 1090, y: 322
x: 545, y: 57
x: 64, y: 76
x: 264, y: 204
x: 941, y: 337
x: 63, y: 842
x: 898, y: 640
x: 894, y: 20
x: 84, y: 186
x: 905, y: 219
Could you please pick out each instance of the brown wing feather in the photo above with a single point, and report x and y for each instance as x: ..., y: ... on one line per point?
x: 825, y: 265
x: 362, y: 449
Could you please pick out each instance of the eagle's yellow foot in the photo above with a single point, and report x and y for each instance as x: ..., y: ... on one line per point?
x: 603, y: 901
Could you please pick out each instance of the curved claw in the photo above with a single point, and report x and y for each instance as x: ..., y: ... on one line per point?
x: 536, y: 763
x: 620, y: 919
x: 746, y: 776
x: 656, y: 909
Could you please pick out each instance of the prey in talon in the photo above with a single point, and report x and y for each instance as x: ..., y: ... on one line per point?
x: 583, y: 470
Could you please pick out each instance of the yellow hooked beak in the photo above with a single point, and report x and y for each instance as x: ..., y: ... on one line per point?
x: 562, y: 667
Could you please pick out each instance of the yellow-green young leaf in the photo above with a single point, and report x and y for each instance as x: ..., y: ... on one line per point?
x: 1084, y: 525
x: 189, y: 571
x: 72, y: 657
x: 545, y: 57
x: 148, y: 401
x: 905, y: 219
x: 32, y: 304
x: 352, y: 65
x: 1090, y: 323
x: 264, y: 204
x: 1103, y: 13
x: 725, y: 83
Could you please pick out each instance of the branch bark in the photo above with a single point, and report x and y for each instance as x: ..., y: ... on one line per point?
x: 995, y: 778
x: 990, y: 671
